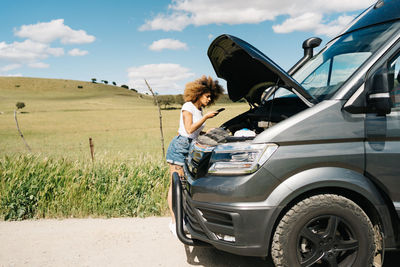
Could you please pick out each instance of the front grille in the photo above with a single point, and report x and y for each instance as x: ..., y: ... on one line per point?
x: 217, y: 217
x: 213, y: 222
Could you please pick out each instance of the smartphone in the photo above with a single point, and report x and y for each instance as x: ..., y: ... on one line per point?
x: 221, y: 109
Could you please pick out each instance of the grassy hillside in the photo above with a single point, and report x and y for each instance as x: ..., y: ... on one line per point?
x: 129, y: 177
x: 59, y: 118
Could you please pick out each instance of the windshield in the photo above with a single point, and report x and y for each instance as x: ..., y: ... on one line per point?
x: 324, y: 74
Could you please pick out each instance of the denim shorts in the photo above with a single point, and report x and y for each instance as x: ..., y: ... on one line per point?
x: 178, y: 150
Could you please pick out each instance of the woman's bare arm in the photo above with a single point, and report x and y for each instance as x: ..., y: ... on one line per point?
x: 190, y: 127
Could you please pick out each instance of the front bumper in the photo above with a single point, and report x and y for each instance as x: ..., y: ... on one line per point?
x: 238, y: 228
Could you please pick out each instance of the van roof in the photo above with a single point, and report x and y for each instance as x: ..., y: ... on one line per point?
x: 380, y: 12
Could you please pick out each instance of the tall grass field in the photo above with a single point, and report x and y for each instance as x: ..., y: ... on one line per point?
x: 37, y: 187
x: 57, y: 178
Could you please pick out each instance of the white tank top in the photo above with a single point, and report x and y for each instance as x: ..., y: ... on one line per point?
x: 197, y: 115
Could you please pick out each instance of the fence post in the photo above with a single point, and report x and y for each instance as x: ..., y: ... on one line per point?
x: 20, y: 133
x: 91, y: 145
x: 159, y: 114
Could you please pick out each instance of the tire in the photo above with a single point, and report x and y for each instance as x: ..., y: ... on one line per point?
x: 324, y: 230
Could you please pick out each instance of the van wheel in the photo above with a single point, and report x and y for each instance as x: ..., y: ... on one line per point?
x: 324, y: 230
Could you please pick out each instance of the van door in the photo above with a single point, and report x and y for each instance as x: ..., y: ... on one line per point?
x: 382, y: 144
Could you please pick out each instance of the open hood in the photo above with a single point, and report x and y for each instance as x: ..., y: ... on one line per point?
x: 244, y: 67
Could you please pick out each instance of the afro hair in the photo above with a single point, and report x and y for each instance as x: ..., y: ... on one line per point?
x: 194, y: 90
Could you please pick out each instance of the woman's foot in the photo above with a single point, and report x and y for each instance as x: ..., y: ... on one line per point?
x: 172, y: 228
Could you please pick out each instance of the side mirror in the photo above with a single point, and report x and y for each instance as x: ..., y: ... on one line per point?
x: 375, y: 97
x: 378, y: 96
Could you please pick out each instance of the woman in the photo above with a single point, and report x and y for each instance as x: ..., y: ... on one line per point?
x: 198, y: 94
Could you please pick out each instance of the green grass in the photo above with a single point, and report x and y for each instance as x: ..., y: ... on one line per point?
x: 35, y: 187
x: 129, y: 176
x: 59, y: 119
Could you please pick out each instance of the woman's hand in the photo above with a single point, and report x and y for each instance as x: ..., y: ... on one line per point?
x: 211, y: 114
x: 190, y: 127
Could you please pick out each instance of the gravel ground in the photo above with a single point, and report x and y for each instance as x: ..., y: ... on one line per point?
x: 112, y: 242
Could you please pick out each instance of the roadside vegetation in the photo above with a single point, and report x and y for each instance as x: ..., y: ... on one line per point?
x: 58, y: 179
x: 39, y: 187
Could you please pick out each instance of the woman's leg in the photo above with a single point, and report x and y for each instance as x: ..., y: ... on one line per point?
x: 173, y: 168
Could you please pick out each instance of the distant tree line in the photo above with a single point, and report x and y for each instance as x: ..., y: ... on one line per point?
x: 127, y: 87
x: 167, y: 101
x: 94, y: 80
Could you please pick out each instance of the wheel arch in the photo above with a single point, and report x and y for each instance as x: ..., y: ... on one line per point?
x: 333, y: 180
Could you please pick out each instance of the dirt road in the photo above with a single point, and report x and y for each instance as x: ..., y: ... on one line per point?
x: 111, y: 242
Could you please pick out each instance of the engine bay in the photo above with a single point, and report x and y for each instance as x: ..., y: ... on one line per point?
x: 254, y: 121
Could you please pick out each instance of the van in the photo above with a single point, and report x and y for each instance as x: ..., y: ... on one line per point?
x: 318, y: 183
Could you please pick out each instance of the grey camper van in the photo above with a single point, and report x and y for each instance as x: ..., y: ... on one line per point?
x: 319, y: 182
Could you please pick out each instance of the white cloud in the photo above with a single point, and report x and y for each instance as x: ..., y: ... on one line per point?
x: 334, y: 27
x: 313, y: 22
x: 306, y: 21
x: 27, y: 51
x: 182, y: 13
x: 37, y: 45
x: 38, y: 65
x: 14, y: 75
x: 10, y: 67
x: 174, y: 22
x: 47, y: 32
x: 168, y: 44
x: 164, y: 78
x: 77, y: 52
x: 57, y: 52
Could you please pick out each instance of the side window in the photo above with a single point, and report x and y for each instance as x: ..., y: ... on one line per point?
x: 344, y: 65
x: 319, y: 77
x: 394, y: 81
x: 330, y: 75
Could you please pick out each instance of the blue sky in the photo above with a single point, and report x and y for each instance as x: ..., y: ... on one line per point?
x: 163, y: 41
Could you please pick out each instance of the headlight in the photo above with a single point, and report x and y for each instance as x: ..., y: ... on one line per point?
x: 240, y: 158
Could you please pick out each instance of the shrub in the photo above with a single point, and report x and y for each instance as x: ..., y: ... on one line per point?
x: 179, y: 99
x: 20, y: 105
x: 166, y: 100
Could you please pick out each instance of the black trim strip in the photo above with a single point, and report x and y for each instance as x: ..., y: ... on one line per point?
x: 383, y: 138
x: 321, y: 141
x: 345, y: 140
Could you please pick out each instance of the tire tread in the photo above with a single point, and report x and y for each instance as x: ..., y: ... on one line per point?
x: 280, y: 239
